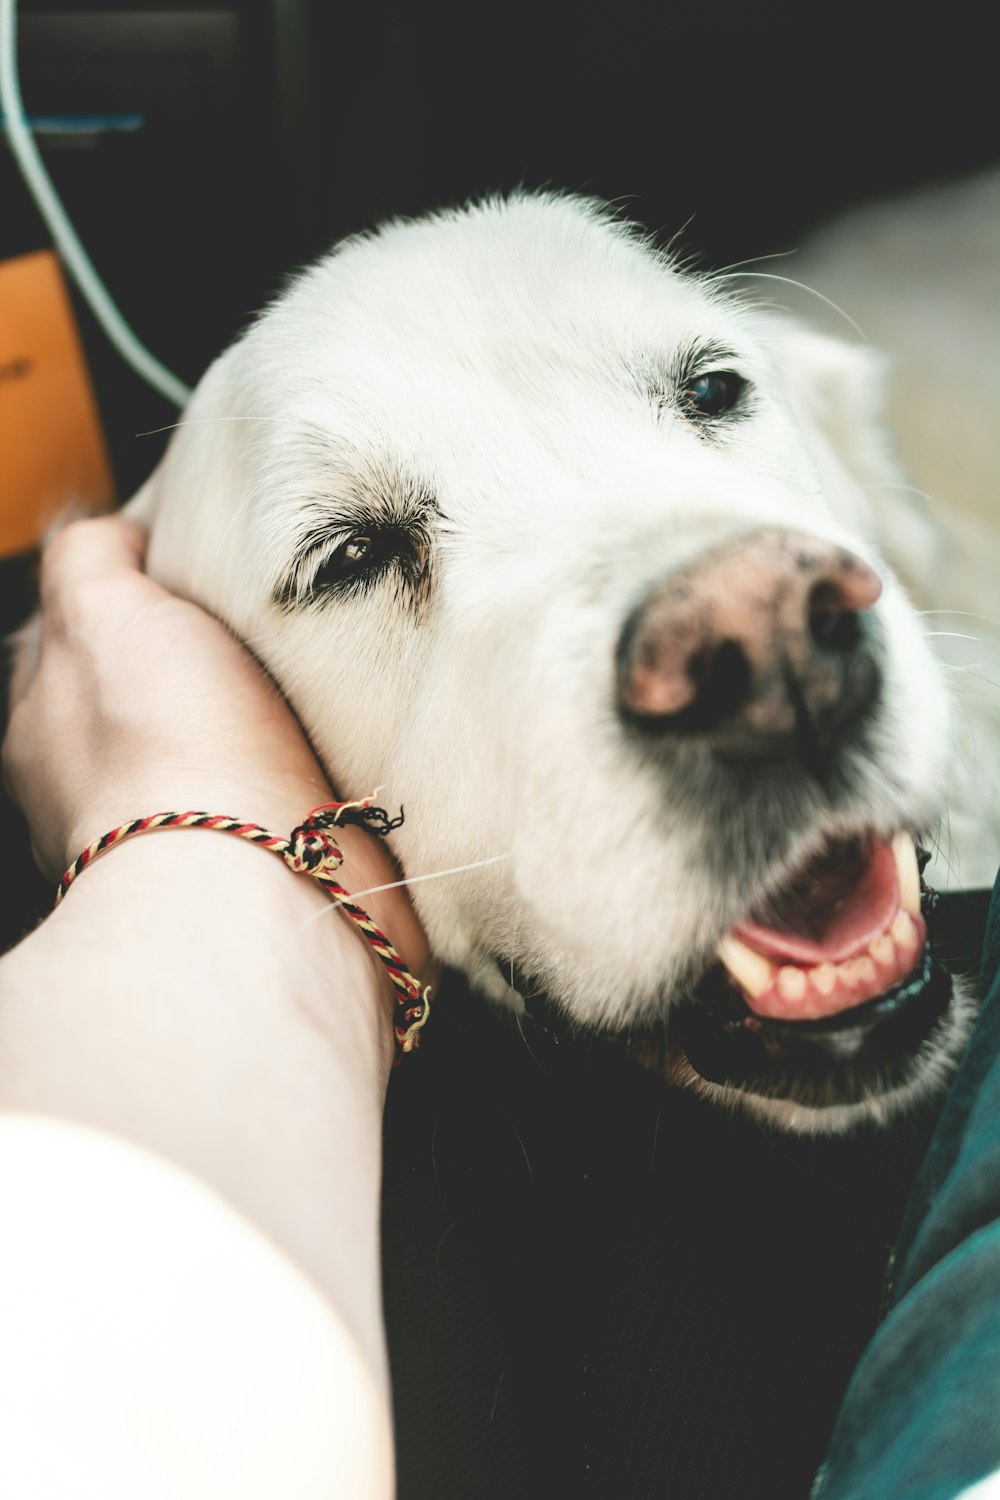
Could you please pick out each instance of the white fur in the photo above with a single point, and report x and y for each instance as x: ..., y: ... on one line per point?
x: 490, y: 355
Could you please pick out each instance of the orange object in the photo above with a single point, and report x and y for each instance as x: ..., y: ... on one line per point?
x: 53, y: 456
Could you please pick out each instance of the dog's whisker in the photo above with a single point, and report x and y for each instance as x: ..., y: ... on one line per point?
x: 967, y: 614
x: 898, y: 484
x: 496, y: 1394
x: 441, y: 1241
x: 803, y: 287
x: 527, y: 1044
x: 979, y: 676
x: 198, y: 422
x: 524, y: 1152
x: 971, y: 667
x: 726, y: 272
x: 939, y: 847
x: 392, y: 885
x: 395, y: 885
x: 966, y: 754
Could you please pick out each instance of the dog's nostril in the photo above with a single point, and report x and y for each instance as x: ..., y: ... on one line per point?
x: 684, y: 693
x: 721, y: 676
x: 832, y: 624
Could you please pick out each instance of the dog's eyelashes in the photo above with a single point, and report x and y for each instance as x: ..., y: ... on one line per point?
x: 712, y: 395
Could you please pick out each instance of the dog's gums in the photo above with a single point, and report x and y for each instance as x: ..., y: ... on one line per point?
x: 857, y: 932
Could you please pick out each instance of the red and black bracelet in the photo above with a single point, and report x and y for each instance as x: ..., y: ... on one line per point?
x: 312, y: 850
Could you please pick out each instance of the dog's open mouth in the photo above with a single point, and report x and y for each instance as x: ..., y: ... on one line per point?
x: 828, y: 994
x: 847, y: 929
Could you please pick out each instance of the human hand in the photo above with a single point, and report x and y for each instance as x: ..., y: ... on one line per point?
x: 134, y: 702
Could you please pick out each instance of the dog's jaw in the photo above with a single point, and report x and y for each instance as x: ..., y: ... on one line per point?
x: 928, y: 1077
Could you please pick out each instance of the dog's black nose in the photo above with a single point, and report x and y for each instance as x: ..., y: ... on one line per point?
x: 761, y: 647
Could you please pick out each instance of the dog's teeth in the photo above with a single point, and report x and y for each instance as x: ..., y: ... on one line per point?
x: 751, y: 970
x: 859, y: 973
x: 823, y: 979
x: 791, y: 983
x: 883, y: 951
x: 908, y: 936
x: 909, y: 875
x: 901, y: 929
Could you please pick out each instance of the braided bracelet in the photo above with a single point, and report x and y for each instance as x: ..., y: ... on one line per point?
x: 309, y: 850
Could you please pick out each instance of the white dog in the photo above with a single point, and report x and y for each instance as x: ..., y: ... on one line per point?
x: 572, y: 554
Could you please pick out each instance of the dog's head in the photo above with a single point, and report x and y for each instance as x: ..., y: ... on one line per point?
x: 571, y: 553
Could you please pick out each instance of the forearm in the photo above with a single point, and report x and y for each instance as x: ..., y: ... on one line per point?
x: 194, y: 997
x: 189, y: 1288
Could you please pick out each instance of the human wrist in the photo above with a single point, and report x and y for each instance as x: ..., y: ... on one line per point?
x: 238, y: 911
x: 238, y: 904
x: 196, y: 997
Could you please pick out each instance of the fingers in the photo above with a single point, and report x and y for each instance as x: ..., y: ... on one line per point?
x: 77, y: 567
x: 89, y: 552
x: 82, y: 557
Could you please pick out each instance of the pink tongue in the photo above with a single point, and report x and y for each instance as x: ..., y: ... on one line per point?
x: 855, y: 919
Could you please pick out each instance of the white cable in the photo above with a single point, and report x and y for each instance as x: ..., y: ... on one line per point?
x: 79, y: 264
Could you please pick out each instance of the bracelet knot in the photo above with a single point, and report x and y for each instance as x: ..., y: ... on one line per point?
x: 312, y: 851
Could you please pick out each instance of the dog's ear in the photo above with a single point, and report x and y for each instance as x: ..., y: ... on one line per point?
x: 838, y: 391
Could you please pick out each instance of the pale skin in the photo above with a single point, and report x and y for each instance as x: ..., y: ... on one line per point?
x: 191, y: 996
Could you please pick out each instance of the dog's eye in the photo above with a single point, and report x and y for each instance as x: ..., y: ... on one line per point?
x: 364, y: 558
x: 359, y: 552
x: 357, y: 549
x: 386, y: 548
x: 712, y: 395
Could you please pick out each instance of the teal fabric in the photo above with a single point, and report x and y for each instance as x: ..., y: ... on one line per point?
x: 921, y: 1418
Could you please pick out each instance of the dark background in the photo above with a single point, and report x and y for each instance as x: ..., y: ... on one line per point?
x: 592, y: 1287
x: 272, y: 129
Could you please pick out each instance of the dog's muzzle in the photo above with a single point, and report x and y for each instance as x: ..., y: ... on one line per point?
x: 839, y: 1036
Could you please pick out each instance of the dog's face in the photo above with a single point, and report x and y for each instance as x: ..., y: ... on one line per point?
x: 571, y: 554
